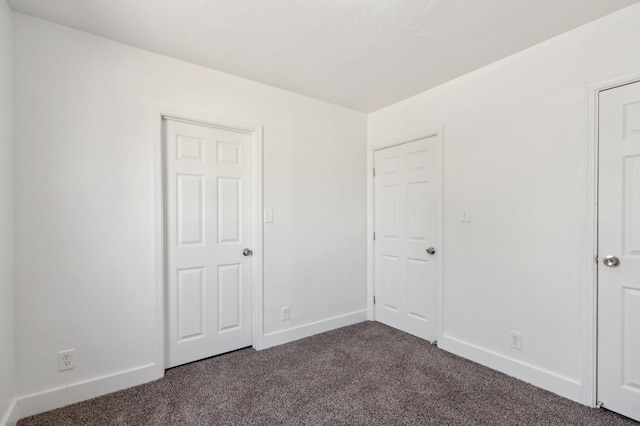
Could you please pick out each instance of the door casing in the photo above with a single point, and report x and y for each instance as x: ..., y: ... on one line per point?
x: 255, y: 131
x: 434, y: 133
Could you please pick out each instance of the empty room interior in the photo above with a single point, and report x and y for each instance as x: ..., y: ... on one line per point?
x: 319, y: 212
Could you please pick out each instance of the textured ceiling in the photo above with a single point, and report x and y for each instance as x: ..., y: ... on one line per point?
x: 361, y: 54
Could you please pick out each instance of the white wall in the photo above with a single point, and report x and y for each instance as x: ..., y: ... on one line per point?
x: 85, y: 201
x: 515, y: 135
x: 7, y: 347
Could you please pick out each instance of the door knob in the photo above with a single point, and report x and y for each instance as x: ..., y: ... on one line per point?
x: 611, y: 261
x: 247, y: 252
x: 431, y: 251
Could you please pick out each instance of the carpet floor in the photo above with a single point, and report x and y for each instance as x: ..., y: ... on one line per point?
x: 365, y: 374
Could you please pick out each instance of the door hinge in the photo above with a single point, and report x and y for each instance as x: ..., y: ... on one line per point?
x: 374, y: 236
x: 374, y: 172
x: 374, y: 300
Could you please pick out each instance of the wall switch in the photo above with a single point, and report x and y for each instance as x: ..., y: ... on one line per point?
x: 515, y: 340
x: 465, y: 214
x: 268, y: 215
x: 286, y: 313
x: 66, y: 360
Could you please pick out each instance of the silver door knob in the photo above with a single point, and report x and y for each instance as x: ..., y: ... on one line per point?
x: 611, y: 261
x: 247, y: 252
x: 431, y: 251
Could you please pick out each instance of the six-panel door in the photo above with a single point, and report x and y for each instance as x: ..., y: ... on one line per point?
x: 407, y: 196
x: 619, y: 238
x: 207, y: 226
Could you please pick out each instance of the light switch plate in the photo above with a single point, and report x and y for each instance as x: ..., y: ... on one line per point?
x: 465, y: 214
x: 268, y: 215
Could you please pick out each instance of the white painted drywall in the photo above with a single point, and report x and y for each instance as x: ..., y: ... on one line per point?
x: 515, y: 135
x: 7, y: 347
x: 85, y: 204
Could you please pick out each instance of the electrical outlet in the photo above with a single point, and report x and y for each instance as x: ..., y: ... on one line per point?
x: 515, y: 340
x: 66, y: 360
x: 286, y: 313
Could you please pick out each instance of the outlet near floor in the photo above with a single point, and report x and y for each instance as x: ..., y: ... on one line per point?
x: 66, y: 360
x: 286, y: 313
x: 515, y: 340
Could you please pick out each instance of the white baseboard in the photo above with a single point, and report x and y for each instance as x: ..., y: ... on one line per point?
x: 545, y: 379
x: 4, y: 421
x: 289, y: 335
x: 55, y: 398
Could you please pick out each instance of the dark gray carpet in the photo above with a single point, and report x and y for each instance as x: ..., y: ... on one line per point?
x: 366, y: 374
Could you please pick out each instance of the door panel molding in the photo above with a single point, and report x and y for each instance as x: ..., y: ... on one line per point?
x: 589, y: 302
x: 160, y: 113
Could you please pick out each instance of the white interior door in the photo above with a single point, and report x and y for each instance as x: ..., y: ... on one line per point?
x: 408, y: 188
x: 619, y: 241
x: 208, y: 225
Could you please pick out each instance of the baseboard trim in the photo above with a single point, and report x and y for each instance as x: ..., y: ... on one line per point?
x: 59, y: 397
x: 4, y: 421
x: 545, y: 379
x: 51, y: 399
x: 291, y: 334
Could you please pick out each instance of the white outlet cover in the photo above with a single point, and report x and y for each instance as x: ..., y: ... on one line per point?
x: 66, y: 360
x: 286, y: 313
x: 515, y: 340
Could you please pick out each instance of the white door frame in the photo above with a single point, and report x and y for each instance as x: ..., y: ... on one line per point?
x: 255, y: 131
x: 438, y: 134
x: 590, y: 293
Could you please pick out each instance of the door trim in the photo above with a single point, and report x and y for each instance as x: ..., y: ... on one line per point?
x: 256, y: 132
x: 589, y: 301
x: 438, y: 134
